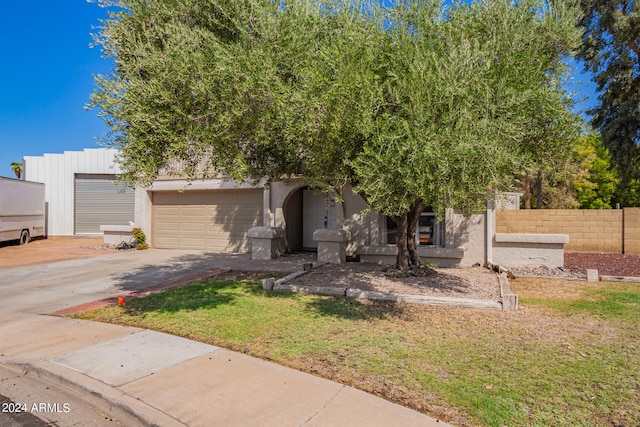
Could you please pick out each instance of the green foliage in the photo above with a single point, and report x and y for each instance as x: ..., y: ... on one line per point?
x: 412, y: 103
x: 472, y: 96
x: 613, y: 301
x: 596, y: 189
x: 611, y: 51
x: 628, y: 193
x: 17, y: 169
x: 242, y: 89
x: 141, y: 239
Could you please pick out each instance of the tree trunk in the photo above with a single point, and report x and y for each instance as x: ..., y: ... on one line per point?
x: 527, y: 192
x: 402, y: 261
x: 412, y: 223
x: 538, y: 190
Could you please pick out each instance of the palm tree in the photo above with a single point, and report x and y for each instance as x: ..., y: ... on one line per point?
x: 17, y: 169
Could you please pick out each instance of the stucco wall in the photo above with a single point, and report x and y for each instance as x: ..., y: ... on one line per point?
x: 469, y: 235
x: 464, y: 236
x: 362, y: 226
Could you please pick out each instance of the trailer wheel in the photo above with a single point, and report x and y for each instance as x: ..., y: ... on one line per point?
x: 24, y: 237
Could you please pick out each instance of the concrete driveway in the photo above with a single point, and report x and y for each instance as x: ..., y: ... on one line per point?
x: 48, y: 287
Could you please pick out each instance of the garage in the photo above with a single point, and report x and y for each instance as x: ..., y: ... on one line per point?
x: 98, y: 201
x: 216, y: 220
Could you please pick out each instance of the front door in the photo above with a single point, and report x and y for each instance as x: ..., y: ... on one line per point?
x: 318, y: 211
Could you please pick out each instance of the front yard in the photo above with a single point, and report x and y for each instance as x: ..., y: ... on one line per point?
x: 569, y: 357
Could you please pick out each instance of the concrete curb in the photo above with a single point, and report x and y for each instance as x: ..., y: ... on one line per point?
x: 110, y: 400
x: 630, y: 279
x: 423, y: 299
x: 509, y: 299
x: 531, y: 276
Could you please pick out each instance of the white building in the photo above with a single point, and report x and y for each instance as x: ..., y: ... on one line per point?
x: 80, y: 192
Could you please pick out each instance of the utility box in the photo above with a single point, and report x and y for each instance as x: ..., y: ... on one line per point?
x: 22, y: 210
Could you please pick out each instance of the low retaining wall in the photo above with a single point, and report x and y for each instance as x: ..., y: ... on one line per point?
x: 509, y: 300
x: 116, y: 234
x: 516, y: 250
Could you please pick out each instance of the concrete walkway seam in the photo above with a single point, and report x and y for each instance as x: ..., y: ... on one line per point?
x: 110, y: 400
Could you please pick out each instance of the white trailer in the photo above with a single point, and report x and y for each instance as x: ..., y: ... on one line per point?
x: 22, y: 210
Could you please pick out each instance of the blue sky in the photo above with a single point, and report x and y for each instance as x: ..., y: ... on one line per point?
x: 46, y: 77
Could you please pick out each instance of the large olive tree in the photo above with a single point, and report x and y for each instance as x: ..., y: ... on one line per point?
x: 412, y: 103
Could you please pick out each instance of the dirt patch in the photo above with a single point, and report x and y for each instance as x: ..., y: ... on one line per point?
x: 52, y: 249
x: 471, y: 282
x: 576, y: 265
x: 606, y: 264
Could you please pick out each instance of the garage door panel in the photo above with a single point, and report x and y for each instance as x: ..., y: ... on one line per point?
x: 212, y: 220
x: 193, y: 242
x: 194, y: 211
x: 166, y: 225
x: 98, y: 201
x: 167, y: 241
x: 194, y: 228
x: 168, y: 212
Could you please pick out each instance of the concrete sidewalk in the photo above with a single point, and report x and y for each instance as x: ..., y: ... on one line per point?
x: 142, y: 377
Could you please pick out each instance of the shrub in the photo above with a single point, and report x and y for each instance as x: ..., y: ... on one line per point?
x: 141, y: 239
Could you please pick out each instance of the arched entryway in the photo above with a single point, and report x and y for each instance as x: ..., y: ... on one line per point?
x: 304, y: 212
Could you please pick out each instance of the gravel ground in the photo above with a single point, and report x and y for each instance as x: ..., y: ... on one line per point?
x: 472, y: 282
x: 576, y: 265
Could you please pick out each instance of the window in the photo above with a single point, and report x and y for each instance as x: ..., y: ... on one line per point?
x: 429, y: 231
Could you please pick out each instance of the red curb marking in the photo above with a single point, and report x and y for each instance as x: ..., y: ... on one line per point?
x: 111, y: 301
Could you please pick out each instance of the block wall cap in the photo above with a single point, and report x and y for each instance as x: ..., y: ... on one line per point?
x: 266, y: 232
x: 531, y: 238
x: 325, y: 235
x: 116, y: 228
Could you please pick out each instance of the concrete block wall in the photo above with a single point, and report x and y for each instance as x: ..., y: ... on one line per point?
x: 594, y: 230
x: 632, y: 231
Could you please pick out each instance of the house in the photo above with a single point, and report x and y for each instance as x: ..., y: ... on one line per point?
x: 80, y: 191
x: 217, y: 215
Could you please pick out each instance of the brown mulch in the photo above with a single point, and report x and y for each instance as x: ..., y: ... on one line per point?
x: 606, y: 264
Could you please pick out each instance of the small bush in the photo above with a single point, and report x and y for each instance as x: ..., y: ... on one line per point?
x: 141, y: 239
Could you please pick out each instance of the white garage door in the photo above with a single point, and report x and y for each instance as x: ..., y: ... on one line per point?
x: 209, y: 220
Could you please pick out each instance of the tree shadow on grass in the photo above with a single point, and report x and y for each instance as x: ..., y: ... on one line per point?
x: 353, y: 309
x: 191, y: 297
x: 229, y: 287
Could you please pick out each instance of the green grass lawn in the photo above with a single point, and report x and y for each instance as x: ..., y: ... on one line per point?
x: 570, y: 357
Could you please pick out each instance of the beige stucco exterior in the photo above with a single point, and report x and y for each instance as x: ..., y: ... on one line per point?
x: 463, y: 236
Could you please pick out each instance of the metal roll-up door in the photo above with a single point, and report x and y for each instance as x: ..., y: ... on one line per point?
x: 217, y: 220
x: 98, y: 201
